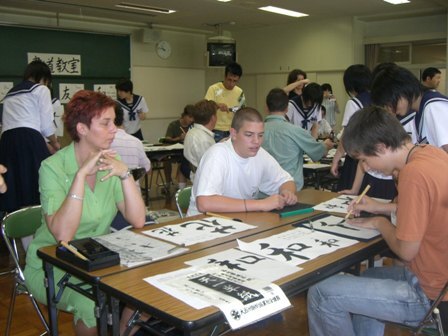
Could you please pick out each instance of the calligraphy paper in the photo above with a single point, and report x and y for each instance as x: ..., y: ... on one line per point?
x: 338, y: 226
x: 197, y: 231
x: 296, y: 246
x: 136, y: 249
x: 247, y: 263
x: 339, y: 204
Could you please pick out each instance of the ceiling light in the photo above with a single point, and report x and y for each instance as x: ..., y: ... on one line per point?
x: 397, y: 2
x: 224, y: 0
x: 144, y: 8
x: 282, y: 11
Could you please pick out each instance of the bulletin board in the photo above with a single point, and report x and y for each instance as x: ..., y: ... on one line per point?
x: 105, y: 58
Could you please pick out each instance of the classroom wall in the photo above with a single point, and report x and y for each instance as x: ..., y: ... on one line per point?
x: 323, y: 48
x: 167, y: 84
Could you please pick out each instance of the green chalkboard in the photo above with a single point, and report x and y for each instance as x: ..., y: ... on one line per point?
x: 105, y: 58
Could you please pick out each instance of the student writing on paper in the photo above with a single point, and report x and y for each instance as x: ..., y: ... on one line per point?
x: 350, y: 305
x: 287, y: 142
x: 82, y: 186
x: 233, y: 173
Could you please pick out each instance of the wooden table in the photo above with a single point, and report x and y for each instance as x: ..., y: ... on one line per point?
x: 265, y: 221
x: 129, y: 287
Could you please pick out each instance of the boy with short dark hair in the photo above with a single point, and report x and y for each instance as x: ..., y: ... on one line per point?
x: 229, y: 98
x: 232, y: 173
x: 349, y: 305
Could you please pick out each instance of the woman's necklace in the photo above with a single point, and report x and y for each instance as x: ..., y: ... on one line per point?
x: 410, y: 151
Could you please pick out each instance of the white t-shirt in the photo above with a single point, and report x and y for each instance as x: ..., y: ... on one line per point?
x: 196, y: 143
x: 223, y: 172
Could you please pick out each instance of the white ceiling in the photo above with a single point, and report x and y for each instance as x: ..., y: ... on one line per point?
x: 234, y: 15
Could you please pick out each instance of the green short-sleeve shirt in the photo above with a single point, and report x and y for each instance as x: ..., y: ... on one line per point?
x: 99, y: 209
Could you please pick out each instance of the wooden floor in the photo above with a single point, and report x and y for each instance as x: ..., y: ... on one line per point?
x: 26, y: 323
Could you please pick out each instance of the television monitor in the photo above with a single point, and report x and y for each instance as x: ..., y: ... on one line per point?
x: 221, y: 54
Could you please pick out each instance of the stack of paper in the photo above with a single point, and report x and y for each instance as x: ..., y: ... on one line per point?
x: 136, y: 249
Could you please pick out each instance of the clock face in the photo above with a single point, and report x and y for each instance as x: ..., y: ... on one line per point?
x: 163, y: 49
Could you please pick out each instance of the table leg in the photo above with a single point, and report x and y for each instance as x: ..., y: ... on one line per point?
x: 146, y: 193
x: 114, y: 317
x: 100, y: 311
x: 51, y: 298
x: 316, y: 180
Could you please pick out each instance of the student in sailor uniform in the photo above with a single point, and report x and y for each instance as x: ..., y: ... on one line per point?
x: 304, y: 111
x: 400, y: 91
x: 357, y: 80
x: 27, y: 120
x: 295, y: 83
x: 134, y: 107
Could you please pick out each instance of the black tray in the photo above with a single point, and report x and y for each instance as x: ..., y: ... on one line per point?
x: 98, y: 256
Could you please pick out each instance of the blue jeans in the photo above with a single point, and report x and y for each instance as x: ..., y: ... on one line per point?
x: 351, y: 305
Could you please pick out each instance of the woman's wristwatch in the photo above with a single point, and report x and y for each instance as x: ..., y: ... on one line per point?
x: 125, y: 175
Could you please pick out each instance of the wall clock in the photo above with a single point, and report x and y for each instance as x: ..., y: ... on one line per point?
x: 163, y: 49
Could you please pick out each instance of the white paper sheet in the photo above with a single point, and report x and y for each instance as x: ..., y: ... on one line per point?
x: 196, y: 231
x: 338, y: 226
x: 136, y: 249
x: 247, y: 263
x: 296, y: 246
x: 339, y: 204
x: 242, y: 299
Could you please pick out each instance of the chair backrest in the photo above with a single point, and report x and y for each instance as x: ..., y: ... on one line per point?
x: 23, y: 222
x: 20, y: 224
x: 183, y: 200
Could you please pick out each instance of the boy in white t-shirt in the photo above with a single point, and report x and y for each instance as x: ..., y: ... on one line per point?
x: 232, y: 174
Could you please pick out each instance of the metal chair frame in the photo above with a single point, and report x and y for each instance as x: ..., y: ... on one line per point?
x: 431, y: 319
x: 30, y: 219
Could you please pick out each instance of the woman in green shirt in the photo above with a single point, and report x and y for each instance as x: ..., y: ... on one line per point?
x: 81, y: 188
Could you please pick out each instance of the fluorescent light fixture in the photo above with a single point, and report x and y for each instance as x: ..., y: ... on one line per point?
x: 282, y: 11
x: 397, y: 2
x: 224, y: 0
x: 129, y: 5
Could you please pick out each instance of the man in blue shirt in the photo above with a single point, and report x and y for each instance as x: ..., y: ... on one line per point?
x: 286, y: 142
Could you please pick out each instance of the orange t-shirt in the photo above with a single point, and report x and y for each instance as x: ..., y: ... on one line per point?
x: 422, y: 215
